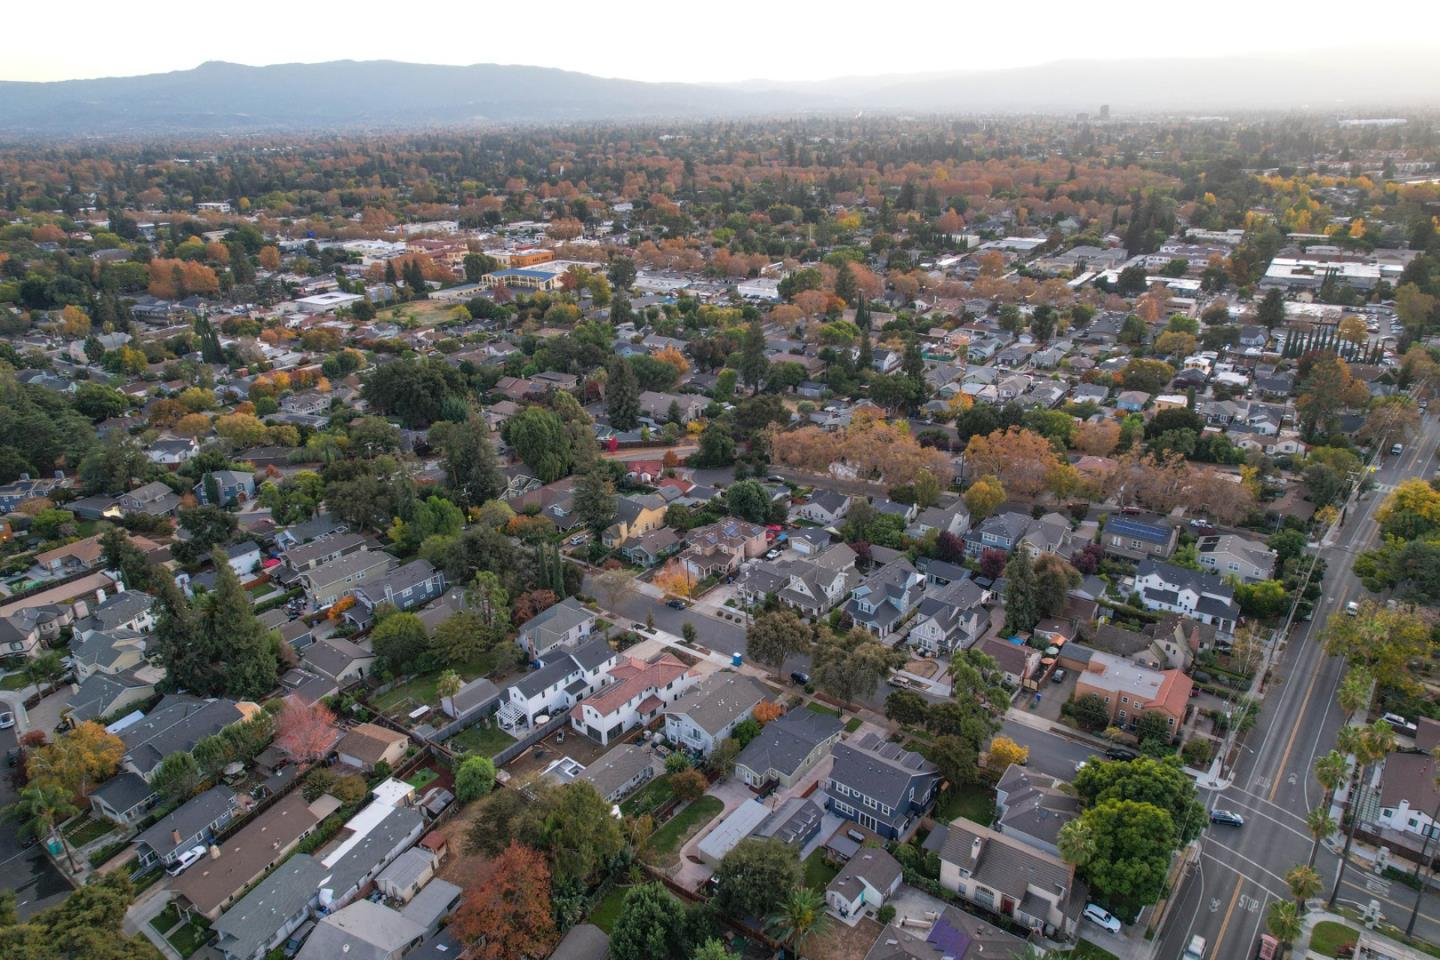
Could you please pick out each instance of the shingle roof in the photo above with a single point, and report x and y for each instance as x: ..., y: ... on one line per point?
x: 720, y: 698
x: 878, y: 768
x: 785, y: 743
x: 1003, y: 863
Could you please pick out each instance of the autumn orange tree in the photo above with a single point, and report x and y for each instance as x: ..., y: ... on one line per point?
x: 306, y: 731
x: 675, y: 578
x: 507, y: 913
x: 1022, y: 459
x: 77, y: 760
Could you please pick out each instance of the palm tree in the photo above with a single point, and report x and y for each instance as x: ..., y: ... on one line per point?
x: 38, y: 809
x: 1076, y: 843
x: 1331, y: 771
x: 1304, y: 883
x: 447, y: 685
x: 1354, y: 693
x: 801, y: 915
x: 1371, y: 745
x: 1283, y: 922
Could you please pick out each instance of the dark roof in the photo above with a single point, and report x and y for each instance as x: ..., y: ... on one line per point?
x: 124, y: 792
x: 1151, y: 532
x: 176, y: 724
x: 785, y: 743
x: 878, y: 768
x: 188, y: 820
x: 585, y: 941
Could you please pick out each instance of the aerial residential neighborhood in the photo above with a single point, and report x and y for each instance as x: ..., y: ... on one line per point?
x: 729, y: 525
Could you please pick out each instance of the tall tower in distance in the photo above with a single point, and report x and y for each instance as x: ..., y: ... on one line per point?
x: 1104, y: 111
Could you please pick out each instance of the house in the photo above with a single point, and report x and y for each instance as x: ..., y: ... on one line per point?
x: 1005, y: 876
x: 1204, y: 596
x: 950, y: 618
x: 194, y: 823
x: 124, y: 610
x: 213, y: 884
x: 372, y: 839
x: 954, y: 520
x: 264, y: 917
x: 472, y: 701
x: 1000, y: 532
x: 404, y: 588
x: 813, y: 585
x: 1229, y: 555
x: 328, y: 582
x: 1032, y: 808
x: 620, y: 771
x: 866, y: 881
x: 178, y: 722
x: 300, y: 557
x: 107, y: 694
x: 16, y: 492
x: 71, y: 558
x: 635, y: 515
x: 787, y: 748
x: 563, y: 679
x: 407, y: 874
x: 1408, y: 794
x: 224, y: 487
x: 884, y: 599
x: 1132, y: 401
x: 172, y: 451
x: 1130, y: 690
x: 341, y: 660
x: 561, y: 626
x: 154, y: 498
x: 242, y: 558
x: 955, y: 935
x: 649, y: 549
x: 363, y: 931
x: 712, y: 709
x: 367, y: 745
x: 880, y: 785
x: 1135, y: 539
x: 825, y: 507
x: 317, y: 527
x: 734, y: 826
x: 656, y: 406
x: 585, y: 941
x: 123, y: 799
x: 636, y: 693
x: 719, y: 548
x: 1017, y: 661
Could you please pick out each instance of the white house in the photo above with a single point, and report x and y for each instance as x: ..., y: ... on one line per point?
x: 866, y: 881
x: 562, y: 681
x: 712, y: 710
x: 637, y: 692
x: 1408, y: 795
x: 1203, y: 596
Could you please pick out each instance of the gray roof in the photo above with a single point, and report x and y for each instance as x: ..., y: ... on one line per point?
x: 101, y: 693
x: 432, y: 902
x: 409, y: 868
x: 189, y: 820
x: 124, y: 792
x: 546, y: 627
x: 308, y: 553
x: 872, y: 865
x: 1034, y: 805
x: 398, y: 579
x: 374, y: 847
x: 794, y: 822
x: 616, y: 768
x: 334, y: 655
x: 361, y: 931
x: 1003, y: 863
x: 1181, y: 577
x: 878, y: 768
x: 120, y: 608
x: 176, y: 724
x: 253, y: 922
x: 719, y: 699
x: 785, y: 742
x: 585, y: 941
x: 351, y: 565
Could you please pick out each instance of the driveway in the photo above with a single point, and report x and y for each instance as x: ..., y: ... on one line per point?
x: 732, y: 793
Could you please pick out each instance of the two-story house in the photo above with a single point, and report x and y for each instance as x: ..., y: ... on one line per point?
x: 950, y: 618
x: 712, y: 709
x: 1000, y: 532
x: 1233, y: 556
x: 813, y: 585
x: 719, y: 548
x: 880, y: 785
x: 1136, y: 538
x: 635, y: 694
x: 1131, y: 690
x: 787, y: 748
x: 154, y: 498
x: 1007, y: 876
x: 635, y: 515
x: 561, y: 626
x: 1204, y: 596
x: 194, y: 823
x: 564, y: 678
x: 825, y: 507
x: 954, y: 520
x: 224, y: 487
x: 328, y: 582
x: 886, y: 597
x: 405, y: 588
x: 1033, y: 808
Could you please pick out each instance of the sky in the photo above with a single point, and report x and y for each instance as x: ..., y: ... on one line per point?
x: 735, y: 40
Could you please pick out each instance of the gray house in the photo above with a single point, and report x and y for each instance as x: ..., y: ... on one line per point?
x: 194, y: 823
x: 563, y: 625
x: 880, y: 785
x: 1136, y: 538
x: 787, y: 748
x: 712, y: 709
x: 405, y: 587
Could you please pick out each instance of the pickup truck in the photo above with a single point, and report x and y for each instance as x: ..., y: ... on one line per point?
x: 1196, y: 950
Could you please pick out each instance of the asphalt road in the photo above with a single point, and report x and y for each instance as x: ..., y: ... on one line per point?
x: 1241, y: 870
x: 35, y: 880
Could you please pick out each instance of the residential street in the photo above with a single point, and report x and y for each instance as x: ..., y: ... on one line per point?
x: 1241, y: 871
x: 36, y: 881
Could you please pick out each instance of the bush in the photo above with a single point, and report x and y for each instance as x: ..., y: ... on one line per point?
x: 677, y: 762
x: 885, y: 914
x: 474, y: 779
x: 1196, y: 752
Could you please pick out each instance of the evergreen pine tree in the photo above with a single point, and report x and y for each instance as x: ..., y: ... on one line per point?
x: 244, y: 650
x: 845, y: 286
x: 1022, y: 601
x: 862, y: 315
x: 622, y: 395
x: 753, y: 365
x: 866, y: 359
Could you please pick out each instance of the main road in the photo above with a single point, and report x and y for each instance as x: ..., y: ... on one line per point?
x: 1224, y: 897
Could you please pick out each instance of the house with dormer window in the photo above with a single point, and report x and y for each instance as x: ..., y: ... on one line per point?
x: 880, y: 785
x: 950, y: 618
x: 1000, y: 532
x: 887, y: 597
x: 561, y: 681
x: 1203, y: 596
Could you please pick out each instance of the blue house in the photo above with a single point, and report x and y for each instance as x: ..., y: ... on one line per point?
x: 224, y: 487
x: 405, y: 588
x: 1136, y: 538
x: 880, y: 785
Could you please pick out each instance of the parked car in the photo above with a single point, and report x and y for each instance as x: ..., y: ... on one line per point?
x: 1352, y: 609
x: 1227, y: 818
x: 7, y: 720
x: 1121, y: 754
x: 1058, y: 676
x: 1196, y: 949
x: 674, y: 604
x: 800, y: 678
x: 1396, y: 449
x: 186, y: 860
x: 1101, y: 917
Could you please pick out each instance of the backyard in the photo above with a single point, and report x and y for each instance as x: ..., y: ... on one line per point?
x: 972, y: 802
x: 422, y: 778
x: 648, y: 798
x: 607, y: 911
x: 186, y: 937
x: 420, y: 691
x: 819, y: 871
x: 679, y: 828
x: 86, y: 830
x: 483, y: 739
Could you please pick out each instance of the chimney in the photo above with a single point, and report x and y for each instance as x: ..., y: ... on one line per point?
x: 99, y: 596
x: 976, y: 846
x: 119, y: 587
x: 175, y: 837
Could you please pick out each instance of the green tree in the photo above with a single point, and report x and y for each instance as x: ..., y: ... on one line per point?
x: 578, y: 833
x: 1090, y: 712
x: 754, y: 875
x: 748, y: 500
x: 1159, y: 782
x: 400, y: 638
x: 800, y: 915
x: 474, y: 778
x: 905, y: 707
x: 622, y: 396
x: 852, y: 665
x: 753, y: 363
x: 717, y: 447
x: 87, y: 924
x: 652, y: 923
x: 540, y: 439
x: 1123, y: 849
x: 1271, y: 311
x: 595, y: 500
x: 1022, y: 599
x: 775, y: 637
x: 177, y: 777
x: 712, y: 949
x: 38, y: 809
x: 1283, y: 922
x: 471, y: 468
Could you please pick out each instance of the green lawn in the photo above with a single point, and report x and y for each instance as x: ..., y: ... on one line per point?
x: 1328, y: 937
x: 648, y: 798
x: 87, y: 830
x: 971, y: 802
x: 409, y: 695
x: 14, y: 681
x: 819, y: 707
x: 1085, y: 950
x: 819, y: 871
x: 685, y: 824
x: 164, y: 921
x: 190, y: 937
x: 421, y: 779
x: 853, y: 724
x: 607, y: 911
x: 485, y: 741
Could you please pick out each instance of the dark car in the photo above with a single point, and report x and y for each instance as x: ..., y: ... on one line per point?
x: 1121, y: 754
x: 1227, y: 818
x: 800, y: 678
x: 675, y: 604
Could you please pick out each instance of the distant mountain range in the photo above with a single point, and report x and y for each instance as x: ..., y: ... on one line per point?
x: 351, y: 95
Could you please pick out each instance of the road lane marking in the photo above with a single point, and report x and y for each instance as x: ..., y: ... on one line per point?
x: 1304, y: 835
x: 1295, y: 731
x: 1225, y: 923
x: 1241, y: 873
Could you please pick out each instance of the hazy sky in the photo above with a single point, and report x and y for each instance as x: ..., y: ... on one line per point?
x: 675, y: 40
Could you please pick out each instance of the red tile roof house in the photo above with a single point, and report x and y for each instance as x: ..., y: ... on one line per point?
x: 638, y: 691
x: 1130, y: 690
